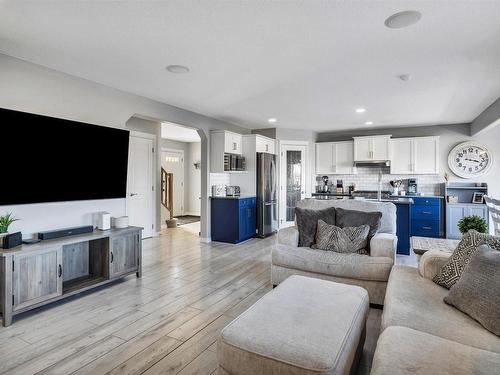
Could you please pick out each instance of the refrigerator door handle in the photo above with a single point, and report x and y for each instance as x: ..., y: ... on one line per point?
x: 273, y: 177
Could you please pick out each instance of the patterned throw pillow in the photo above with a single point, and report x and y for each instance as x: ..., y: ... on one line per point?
x: 450, y: 273
x: 341, y: 240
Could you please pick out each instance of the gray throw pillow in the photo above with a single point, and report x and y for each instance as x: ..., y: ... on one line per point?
x: 352, y: 218
x: 307, y: 221
x: 450, y: 273
x: 477, y: 292
x: 341, y: 240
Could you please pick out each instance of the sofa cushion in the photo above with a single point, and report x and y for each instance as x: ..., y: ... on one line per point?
x: 415, y: 302
x: 307, y: 221
x: 341, y: 240
x: 388, y: 209
x: 304, y: 326
x: 452, y: 270
x: 477, y: 292
x: 354, y: 218
x: 355, y: 266
x: 403, y: 351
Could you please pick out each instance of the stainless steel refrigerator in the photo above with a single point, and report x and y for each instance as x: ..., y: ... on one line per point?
x: 267, y: 196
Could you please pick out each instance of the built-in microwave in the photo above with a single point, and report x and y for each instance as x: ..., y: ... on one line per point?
x: 234, y: 162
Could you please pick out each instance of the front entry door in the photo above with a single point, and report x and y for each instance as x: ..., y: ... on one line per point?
x: 140, y: 184
x: 173, y: 162
x: 292, y: 181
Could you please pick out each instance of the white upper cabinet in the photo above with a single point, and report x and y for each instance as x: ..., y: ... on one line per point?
x: 418, y: 155
x: 372, y: 148
x: 232, y: 142
x: 334, y: 158
x: 426, y: 151
x: 222, y: 142
x: 264, y: 144
x: 402, y: 156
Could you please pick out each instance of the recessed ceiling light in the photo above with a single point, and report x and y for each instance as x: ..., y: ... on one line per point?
x: 403, y: 19
x: 178, y: 69
x: 360, y: 110
x: 272, y: 120
x: 369, y: 123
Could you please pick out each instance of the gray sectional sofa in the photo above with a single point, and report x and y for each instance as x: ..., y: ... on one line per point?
x: 421, y: 334
x: 370, y: 272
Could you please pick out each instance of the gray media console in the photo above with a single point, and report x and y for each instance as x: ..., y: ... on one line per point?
x: 38, y: 274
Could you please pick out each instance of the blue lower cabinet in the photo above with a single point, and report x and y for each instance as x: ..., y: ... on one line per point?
x: 233, y: 220
x: 426, y: 217
x: 403, y: 228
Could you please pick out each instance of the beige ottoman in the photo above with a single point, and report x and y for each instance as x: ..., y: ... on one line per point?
x: 304, y: 326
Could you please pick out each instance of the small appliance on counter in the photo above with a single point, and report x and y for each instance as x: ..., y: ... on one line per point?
x: 218, y: 190
x: 340, y: 187
x: 412, y: 186
x: 324, y: 189
x: 233, y: 191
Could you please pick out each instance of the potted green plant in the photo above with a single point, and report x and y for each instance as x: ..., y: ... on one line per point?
x: 5, y: 221
x: 472, y: 222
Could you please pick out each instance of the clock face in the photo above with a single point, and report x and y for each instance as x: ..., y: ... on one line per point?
x: 470, y: 159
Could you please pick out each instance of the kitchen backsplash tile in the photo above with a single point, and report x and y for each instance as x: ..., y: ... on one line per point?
x: 367, y: 179
x: 220, y: 179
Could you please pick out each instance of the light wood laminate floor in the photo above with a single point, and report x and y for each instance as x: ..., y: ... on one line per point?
x: 165, y: 323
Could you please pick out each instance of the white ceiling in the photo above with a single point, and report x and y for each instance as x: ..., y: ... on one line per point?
x: 179, y: 133
x: 307, y: 63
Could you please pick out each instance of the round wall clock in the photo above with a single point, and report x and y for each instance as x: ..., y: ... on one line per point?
x: 470, y: 159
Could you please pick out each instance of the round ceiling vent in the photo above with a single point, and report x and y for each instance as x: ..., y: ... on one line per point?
x: 403, y: 19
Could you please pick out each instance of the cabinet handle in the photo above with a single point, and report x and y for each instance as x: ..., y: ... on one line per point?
x: 112, y: 257
x: 60, y: 270
x: 427, y: 212
x: 427, y: 228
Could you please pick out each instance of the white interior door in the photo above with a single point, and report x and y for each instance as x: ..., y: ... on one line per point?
x: 173, y: 162
x: 140, y: 208
x: 293, y: 161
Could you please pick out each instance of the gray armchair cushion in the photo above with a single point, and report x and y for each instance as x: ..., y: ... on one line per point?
x: 307, y: 222
x: 477, y: 292
x: 353, y: 266
x: 353, y: 218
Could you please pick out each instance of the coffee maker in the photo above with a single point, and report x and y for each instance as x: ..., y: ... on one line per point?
x: 412, y: 186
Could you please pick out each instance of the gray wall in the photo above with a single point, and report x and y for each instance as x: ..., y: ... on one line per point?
x: 488, y: 119
x: 34, y: 88
x: 266, y: 132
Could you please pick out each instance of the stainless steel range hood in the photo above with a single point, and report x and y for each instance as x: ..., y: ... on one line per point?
x: 373, y: 163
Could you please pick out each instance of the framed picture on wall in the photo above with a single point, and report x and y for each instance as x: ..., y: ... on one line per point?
x: 478, y: 197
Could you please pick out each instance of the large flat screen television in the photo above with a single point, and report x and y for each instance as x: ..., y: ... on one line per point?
x: 46, y: 159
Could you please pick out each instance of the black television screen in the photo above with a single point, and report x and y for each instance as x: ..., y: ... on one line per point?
x: 46, y: 159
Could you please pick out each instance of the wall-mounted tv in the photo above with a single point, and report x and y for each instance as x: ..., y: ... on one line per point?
x: 46, y: 159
